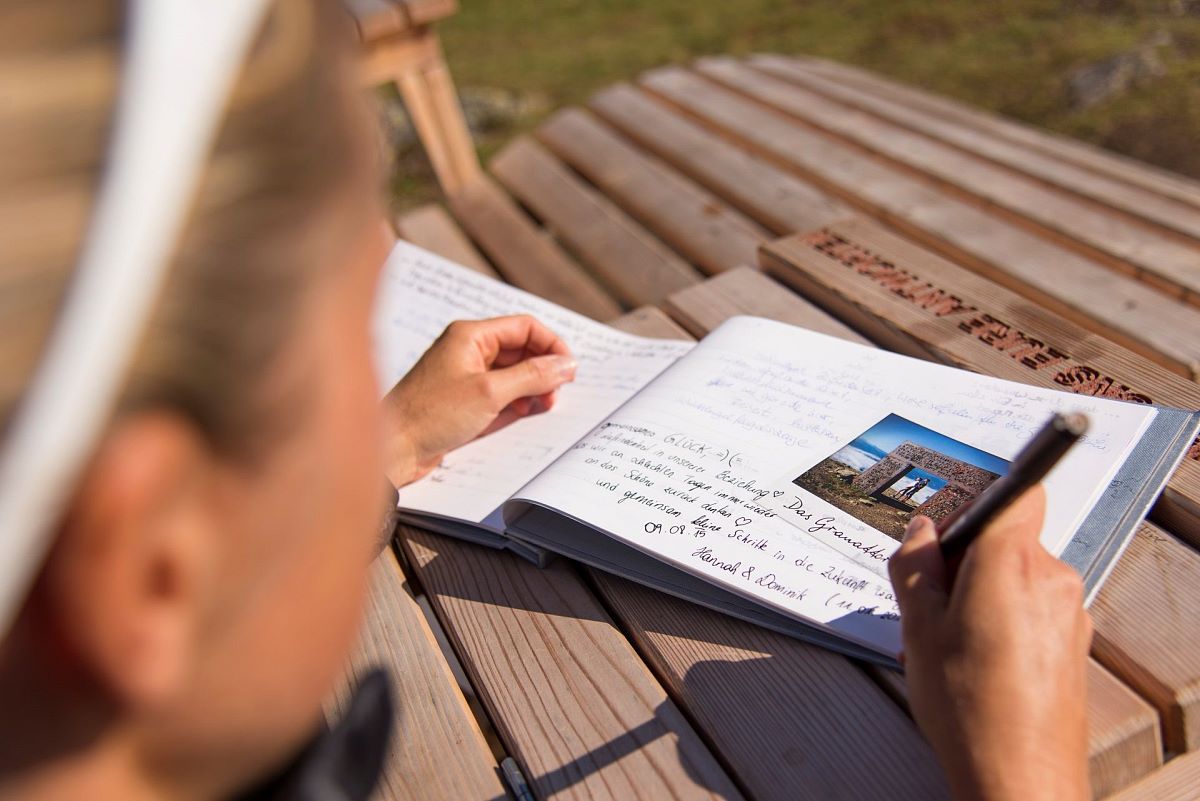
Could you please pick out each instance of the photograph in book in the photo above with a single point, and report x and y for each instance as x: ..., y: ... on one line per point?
x: 897, y: 469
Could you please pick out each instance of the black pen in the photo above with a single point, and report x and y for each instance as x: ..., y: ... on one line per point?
x: 959, y: 529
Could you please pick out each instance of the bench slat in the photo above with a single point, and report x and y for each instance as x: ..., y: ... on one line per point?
x: 913, y: 301
x: 1128, y: 246
x: 771, y: 196
x: 1176, y: 781
x: 650, y: 321
x: 437, y: 750
x: 697, y: 225
x: 1133, y: 200
x: 1093, y: 158
x: 570, y: 698
x: 424, y: 12
x: 639, y: 268
x: 430, y: 227
x: 377, y: 18
x: 1091, y: 295
x: 788, y: 718
x: 526, y: 256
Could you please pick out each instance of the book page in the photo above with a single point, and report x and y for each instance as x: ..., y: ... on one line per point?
x: 419, y: 295
x: 724, y: 466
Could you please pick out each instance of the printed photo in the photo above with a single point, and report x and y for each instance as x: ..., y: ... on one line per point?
x: 897, y: 469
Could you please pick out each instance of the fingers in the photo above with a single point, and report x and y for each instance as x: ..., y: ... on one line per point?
x: 532, y: 378
x: 918, y: 575
x: 503, y: 341
x: 1021, y: 521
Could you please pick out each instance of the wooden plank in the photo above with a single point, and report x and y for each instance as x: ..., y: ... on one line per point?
x: 1135, y: 201
x: 771, y: 196
x: 1124, y: 731
x: 571, y: 699
x: 637, y: 267
x: 650, y: 321
x: 1132, y: 171
x: 1147, y: 619
x: 786, y: 717
x: 1117, y: 306
x: 698, y: 225
x: 1124, y: 735
x: 746, y: 291
x: 437, y: 750
x: 1122, y: 244
x: 425, y: 12
x: 525, y: 255
x: 376, y: 18
x: 1177, y: 781
x: 912, y: 301
x: 430, y: 227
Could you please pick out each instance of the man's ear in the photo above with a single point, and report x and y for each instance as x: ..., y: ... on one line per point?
x: 129, y: 580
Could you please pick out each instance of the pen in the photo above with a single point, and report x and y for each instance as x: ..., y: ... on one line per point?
x: 957, y: 531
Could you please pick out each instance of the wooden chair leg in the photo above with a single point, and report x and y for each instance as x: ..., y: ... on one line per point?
x: 432, y: 103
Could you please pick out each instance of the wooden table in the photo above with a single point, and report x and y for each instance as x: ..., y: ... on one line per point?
x: 813, y: 193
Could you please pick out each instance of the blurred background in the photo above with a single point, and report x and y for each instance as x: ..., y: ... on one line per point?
x: 1122, y: 74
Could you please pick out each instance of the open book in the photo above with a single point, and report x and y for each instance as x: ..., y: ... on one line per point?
x: 766, y: 471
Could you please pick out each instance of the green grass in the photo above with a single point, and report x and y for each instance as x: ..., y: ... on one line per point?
x: 1009, y: 56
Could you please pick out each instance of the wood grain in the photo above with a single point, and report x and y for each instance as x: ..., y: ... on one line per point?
x: 1178, y: 780
x: 694, y: 222
x: 430, y: 227
x: 769, y: 195
x: 1135, y: 201
x: 437, y: 750
x: 745, y: 291
x: 1095, y: 159
x: 1117, y: 306
x: 913, y: 301
x: 526, y: 256
x: 1147, y: 620
x: 633, y: 264
x: 1129, y: 246
x: 572, y: 701
x: 650, y: 321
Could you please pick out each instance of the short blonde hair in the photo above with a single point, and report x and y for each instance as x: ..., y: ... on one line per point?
x: 260, y: 226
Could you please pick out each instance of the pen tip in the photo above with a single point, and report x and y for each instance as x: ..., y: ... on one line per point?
x: 1074, y: 423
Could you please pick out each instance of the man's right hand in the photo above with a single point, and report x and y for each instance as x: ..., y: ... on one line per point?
x: 997, y: 664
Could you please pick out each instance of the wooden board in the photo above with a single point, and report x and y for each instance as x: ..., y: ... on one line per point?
x: 1147, y: 619
x: 424, y: 12
x: 771, y: 196
x: 430, y: 227
x: 1177, y: 781
x: 637, y: 267
x: 571, y: 699
x: 746, y: 291
x: 437, y: 750
x: 650, y: 321
x: 1121, y: 244
x: 376, y: 18
x: 1117, y: 306
x: 526, y: 256
x: 912, y: 301
x: 1135, y: 201
x: 695, y: 223
x: 1106, y: 162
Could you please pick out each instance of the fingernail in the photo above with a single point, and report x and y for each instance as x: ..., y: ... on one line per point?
x: 566, y: 366
x: 911, y: 528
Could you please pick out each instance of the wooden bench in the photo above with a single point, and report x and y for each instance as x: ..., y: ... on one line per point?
x: 820, y: 195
